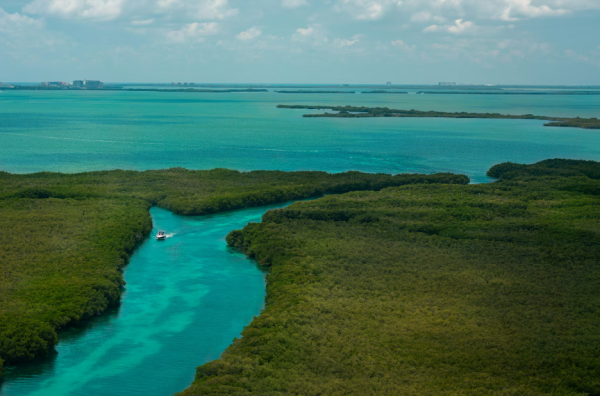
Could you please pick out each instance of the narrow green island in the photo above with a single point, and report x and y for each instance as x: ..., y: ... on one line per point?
x: 316, y: 92
x: 427, y: 289
x: 362, y: 112
x: 381, y: 91
x: 510, y: 93
x: 187, y: 90
x: 68, y: 236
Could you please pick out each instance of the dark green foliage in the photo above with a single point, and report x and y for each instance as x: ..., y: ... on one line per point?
x: 586, y: 123
x: 362, y: 111
x: 201, y: 192
x: 60, y: 262
x: 67, y: 236
x: 189, y: 90
x: 24, y: 338
x: 316, y: 92
x: 505, y: 167
x: 381, y: 91
x: 553, y: 168
x: 537, y: 93
x: 427, y: 290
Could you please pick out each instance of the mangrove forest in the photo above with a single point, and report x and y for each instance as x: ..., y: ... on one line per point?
x: 427, y: 289
x: 67, y: 237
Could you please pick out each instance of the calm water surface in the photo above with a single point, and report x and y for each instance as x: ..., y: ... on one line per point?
x: 83, y: 131
x: 186, y: 299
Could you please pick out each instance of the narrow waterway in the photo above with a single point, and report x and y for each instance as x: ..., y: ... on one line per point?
x: 186, y: 299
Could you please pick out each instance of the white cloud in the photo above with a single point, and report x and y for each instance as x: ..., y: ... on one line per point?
x: 24, y: 38
x: 143, y: 23
x: 77, y: 9
x: 315, y: 32
x: 293, y: 3
x: 249, y: 34
x: 426, y: 16
x: 314, y: 36
x: 193, y: 32
x: 515, y: 9
x: 592, y: 58
x: 366, y: 9
x: 198, y: 9
x: 402, y: 45
x: 422, y: 16
x: 439, y: 10
x: 458, y: 27
x: 341, y: 43
x: 12, y: 23
x: 309, y: 31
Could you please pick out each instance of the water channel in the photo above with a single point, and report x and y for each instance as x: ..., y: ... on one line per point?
x: 185, y: 300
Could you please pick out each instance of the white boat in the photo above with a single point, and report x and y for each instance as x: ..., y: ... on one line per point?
x: 161, y: 235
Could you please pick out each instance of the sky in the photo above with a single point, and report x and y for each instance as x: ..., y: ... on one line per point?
x: 553, y: 42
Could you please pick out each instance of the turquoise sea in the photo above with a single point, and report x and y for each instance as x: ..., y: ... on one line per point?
x: 82, y: 131
x: 188, y: 297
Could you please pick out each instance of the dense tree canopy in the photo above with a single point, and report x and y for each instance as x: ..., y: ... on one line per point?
x: 65, y: 237
x: 427, y: 289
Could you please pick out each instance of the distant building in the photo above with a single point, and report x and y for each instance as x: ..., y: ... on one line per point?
x: 53, y: 84
x: 93, y: 84
x: 448, y: 84
x: 184, y: 83
x: 78, y: 83
x: 389, y: 83
x: 172, y: 83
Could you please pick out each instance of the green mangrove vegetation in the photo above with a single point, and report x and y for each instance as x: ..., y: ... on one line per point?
x: 316, y: 92
x: 362, y: 111
x: 192, y: 90
x: 66, y: 237
x: 427, y: 290
x: 381, y: 91
x: 511, y: 93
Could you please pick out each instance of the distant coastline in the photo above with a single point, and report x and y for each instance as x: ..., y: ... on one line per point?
x: 380, y: 91
x: 512, y: 93
x: 190, y: 90
x: 316, y: 92
x: 324, y: 89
